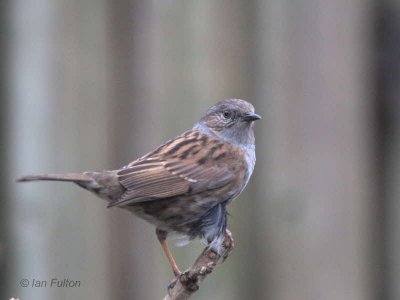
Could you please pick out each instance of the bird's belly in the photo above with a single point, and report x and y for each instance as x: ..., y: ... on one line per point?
x: 172, y: 214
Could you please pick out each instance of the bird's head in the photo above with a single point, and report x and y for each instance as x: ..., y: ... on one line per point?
x: 231, y: 120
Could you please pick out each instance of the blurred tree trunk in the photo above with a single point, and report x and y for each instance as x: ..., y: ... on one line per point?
x: 5, y: 218
x: 319, y: 216
x: 388, y: 111
x: 60, y: 123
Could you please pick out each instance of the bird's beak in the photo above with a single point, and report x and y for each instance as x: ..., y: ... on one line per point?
x: 248, y: 117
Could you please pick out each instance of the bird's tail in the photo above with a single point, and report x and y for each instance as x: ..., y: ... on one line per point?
x: 74, y: 177
x: 104, y: 184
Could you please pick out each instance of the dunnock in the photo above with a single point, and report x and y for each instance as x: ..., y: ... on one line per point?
x: 184, y: 185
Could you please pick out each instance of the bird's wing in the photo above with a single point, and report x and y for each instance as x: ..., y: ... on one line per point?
x: 190, y: 163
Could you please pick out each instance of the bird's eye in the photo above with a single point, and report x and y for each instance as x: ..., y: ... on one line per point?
x: 227, y: 114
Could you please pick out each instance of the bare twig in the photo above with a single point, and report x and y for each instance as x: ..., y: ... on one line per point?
x: 189, y: 281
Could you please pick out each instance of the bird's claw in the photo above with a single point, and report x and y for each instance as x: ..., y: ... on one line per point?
x: 187, y: 279
x: 172, y: 284
x: 190, y: 280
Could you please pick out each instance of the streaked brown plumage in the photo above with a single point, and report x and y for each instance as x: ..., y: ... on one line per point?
x: 185, y: 184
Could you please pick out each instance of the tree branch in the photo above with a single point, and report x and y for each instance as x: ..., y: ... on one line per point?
x: 188, y: 282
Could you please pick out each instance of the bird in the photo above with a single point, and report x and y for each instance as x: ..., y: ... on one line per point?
x: 184, y: 185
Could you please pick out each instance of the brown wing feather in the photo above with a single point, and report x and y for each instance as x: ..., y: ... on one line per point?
x: 180, y: 165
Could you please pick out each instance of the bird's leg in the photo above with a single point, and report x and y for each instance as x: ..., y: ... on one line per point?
x: 162, y: 236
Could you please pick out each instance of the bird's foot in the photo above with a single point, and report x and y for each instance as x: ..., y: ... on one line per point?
x: 177, y: 274
x: 190, y: 278
x: 229, y: 244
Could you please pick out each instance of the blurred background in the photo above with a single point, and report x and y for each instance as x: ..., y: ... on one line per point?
x: 93, y: 84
